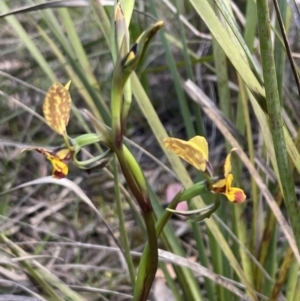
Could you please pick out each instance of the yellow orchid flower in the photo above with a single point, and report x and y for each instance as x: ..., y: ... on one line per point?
x: 233, y: 194
x: 56, y: 108
x: 195, y: 151
x: 59, y: 159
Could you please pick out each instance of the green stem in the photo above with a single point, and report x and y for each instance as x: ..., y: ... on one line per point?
x: 275, y: 118
x: 124, y: 237
x: 149, y: 260
x: 116, y: 105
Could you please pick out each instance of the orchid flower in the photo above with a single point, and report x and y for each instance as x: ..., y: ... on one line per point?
x: 56, y: 109
x: 233, y: 194
x: 195, y: 151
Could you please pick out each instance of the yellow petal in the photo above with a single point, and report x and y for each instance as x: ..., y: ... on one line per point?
x: 219, y: 186
x: 57, y: 106
x: 194, y: 151
x: 67, y: 85
x: 200, y: 143
x: 235, y: 195
x: 227, y: 164
x: 63, y: 154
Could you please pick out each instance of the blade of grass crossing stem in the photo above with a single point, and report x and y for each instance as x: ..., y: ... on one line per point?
x: 276, y: 123
x: 77, y: 46
x: 186, y: 114
x: 123, y: 232
x: 189, y: 70
x: 28, y: 42
x: 160, y: 133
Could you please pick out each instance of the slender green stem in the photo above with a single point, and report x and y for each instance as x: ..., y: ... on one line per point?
x: 124, y: 237
x: 274, y: 112
x: 116, y: 105
x: 149, y: 260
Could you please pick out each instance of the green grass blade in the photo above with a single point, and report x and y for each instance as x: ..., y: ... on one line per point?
x: 42, y: 276
x: 32, y: 48
x: 98, y: 105
x: 77, y: 46
x: 189, y: 70
x: 179, y: 91
x: 160, y: 133
x: 276, y: 123
x: 292, y: 281
x: 234, y: 51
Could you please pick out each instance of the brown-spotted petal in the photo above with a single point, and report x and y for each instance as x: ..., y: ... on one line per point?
x: 57, y: 106
x: 195, y: 151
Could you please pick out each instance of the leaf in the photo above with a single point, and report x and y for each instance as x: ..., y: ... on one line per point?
x: 194, y: 151
x: 57, y: 106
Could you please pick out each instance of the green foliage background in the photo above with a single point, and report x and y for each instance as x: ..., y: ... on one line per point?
x: 217, y: 69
